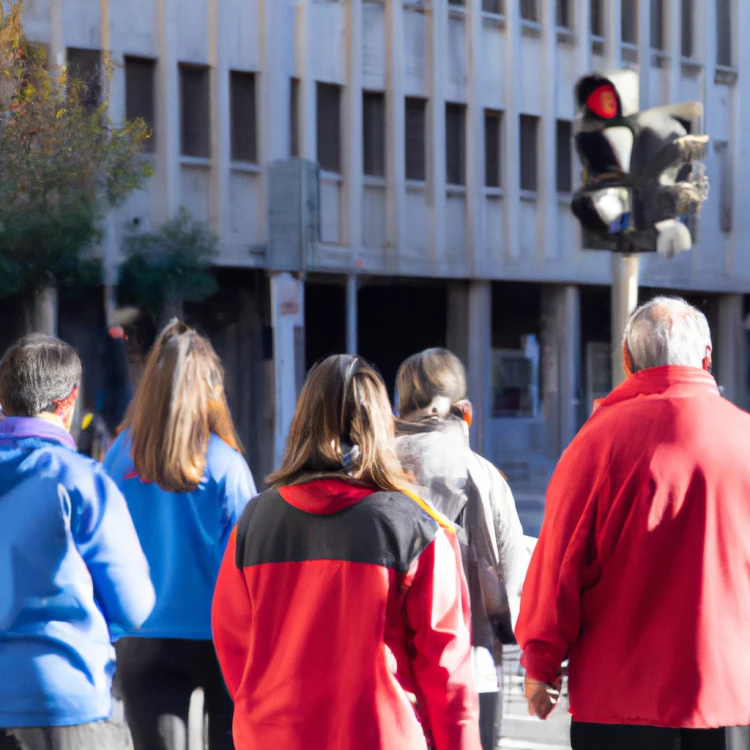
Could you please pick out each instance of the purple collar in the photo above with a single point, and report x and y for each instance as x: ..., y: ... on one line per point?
x: 31, y: 427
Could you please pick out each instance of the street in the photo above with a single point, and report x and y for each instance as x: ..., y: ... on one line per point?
x: 521, y: 731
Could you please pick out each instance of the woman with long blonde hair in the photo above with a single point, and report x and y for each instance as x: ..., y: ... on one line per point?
x: 177, y: 461
x: 341, y: 592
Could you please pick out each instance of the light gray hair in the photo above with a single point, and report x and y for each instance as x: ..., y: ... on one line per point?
x: 667, y: 331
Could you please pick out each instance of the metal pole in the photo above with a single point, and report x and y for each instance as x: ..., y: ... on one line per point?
x: 351, y: 314
x: 624, y: 301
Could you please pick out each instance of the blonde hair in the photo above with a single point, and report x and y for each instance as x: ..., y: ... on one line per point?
x: 425, y: 376
x: 180, y: 401
x: 343, y: 406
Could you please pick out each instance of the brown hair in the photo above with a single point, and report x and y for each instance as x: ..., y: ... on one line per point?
x: 427, y: 375
x: 180, y: 401
x: 344, y: 404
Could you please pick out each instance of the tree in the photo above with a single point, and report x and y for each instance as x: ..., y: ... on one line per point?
x: 165, y: 268
x: 63, y: 165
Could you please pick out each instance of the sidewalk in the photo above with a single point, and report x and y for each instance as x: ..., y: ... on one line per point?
x: 521, y: 731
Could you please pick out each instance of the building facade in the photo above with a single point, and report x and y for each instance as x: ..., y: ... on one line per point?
x: 390, y: 175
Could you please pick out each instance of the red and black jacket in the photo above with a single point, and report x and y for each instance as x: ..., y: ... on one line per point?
x: 333, y: 602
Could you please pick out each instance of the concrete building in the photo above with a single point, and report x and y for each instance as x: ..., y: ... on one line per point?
x: 440, y: 211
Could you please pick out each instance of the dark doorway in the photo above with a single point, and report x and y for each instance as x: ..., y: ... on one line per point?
x: 396, y: 321
x: 325, y: 321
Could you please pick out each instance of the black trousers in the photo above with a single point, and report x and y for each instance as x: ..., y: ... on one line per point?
x: 490, y: 717
x: 98, y: 735
x: 156, y: 678
x: 586, y: 736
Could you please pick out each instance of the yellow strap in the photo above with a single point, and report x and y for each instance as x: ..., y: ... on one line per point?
x: 441, y: 519
x: 87, y: 421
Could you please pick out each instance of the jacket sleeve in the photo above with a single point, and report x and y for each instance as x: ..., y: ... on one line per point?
x: 560, y: 568
x: 513, y: 557
x: 108, y: 542
x: 237, y: 489
x: 437, y: 613
x: 231, y: 615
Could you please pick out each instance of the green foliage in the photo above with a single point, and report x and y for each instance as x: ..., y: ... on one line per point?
x: 171, y: 264
x: 63, y: 166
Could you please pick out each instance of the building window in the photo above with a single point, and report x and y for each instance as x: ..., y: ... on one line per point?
x: 496, y: 7
x: 373, y: 133
x: 85, y: 65
x: 688, y: 28
x: 724, y: 180
x: 629, y: 17
x: 457, y: 2
x: 493, y: 173
x: 563, y: 15
x: 415, y: 139
x: 657, y: 24
x: 529, y: 155
x: 139, y: 94
x: 244, y: 145
x: 455, y: 144
x: 329, y: 126
x: 597, y: 19
x: 564, y: 156
x: 724, y: 33
x: 294, y: 117
x: 529, y: 10
x: 195, y: 118
x: 515, y: 375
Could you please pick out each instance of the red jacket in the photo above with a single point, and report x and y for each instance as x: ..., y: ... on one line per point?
x: 642, y: 571
x: 322, y: 586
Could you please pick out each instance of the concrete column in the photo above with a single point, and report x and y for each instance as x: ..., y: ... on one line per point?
x: 220, y: 217
x: 469, y: 337
x: 673, y: 28
x: 561, y: 342
x: 582, y: 20
x: 352, y: 127
x: 395, y: 127
x: 644, y: 52
x: 352, y: 314
x: 167, y: 115
x: 511, y: 153
x: 307, y: 126
x: 547, y: 208
x: 57, y: 52
x: 475, y: 201
x: 287, y: 316
x: 729, y: 360
x: 613, y: 29
x: 436, y: 178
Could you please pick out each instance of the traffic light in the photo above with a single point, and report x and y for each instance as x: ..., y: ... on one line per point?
x: 643, y: 183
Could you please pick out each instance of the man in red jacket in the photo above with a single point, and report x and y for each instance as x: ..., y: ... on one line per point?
x: 641, y: 576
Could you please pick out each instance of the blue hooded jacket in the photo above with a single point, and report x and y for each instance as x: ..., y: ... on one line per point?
x: 184, y: 535
x: 70, y: 566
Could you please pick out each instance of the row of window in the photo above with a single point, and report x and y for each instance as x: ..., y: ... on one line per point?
x: 531, y: 12
x: 374, y: 140
x: 196, y: 142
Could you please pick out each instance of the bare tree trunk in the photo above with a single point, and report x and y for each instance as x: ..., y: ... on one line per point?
x: 172, y: 309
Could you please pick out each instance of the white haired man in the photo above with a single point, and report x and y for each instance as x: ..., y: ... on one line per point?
x: 641, y: 576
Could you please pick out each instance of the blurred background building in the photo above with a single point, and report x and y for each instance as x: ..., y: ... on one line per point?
x: 387, y: 176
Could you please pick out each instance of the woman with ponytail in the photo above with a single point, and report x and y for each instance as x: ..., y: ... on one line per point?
x: 177, y: 461
x: 433, y: 445
x: 341, y: 592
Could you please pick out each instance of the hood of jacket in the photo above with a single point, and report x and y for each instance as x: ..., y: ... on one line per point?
x: 435, y: 451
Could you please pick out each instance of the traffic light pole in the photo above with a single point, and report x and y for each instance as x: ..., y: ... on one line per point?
x: 624, y: 301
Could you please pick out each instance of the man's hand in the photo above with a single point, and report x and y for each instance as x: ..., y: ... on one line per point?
x: 542, y: 697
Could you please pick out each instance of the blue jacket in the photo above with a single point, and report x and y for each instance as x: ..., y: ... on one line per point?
x: 70, y: 565
x: 183, y: 535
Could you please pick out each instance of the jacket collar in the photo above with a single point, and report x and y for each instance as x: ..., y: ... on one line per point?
x: 678, y: 380
x: 19, y: 428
